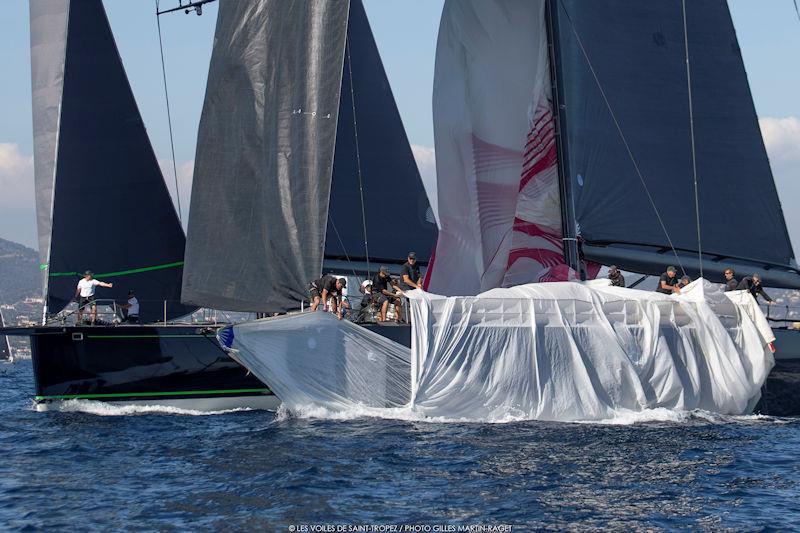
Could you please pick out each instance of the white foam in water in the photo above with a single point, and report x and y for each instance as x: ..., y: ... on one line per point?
x: 108, y: 409
x: 622, y: 417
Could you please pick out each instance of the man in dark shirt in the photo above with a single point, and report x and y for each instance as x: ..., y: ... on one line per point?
x: 384, y: 294
x: 752, y: 284
x: 730, y: 281
x: 617, y: 279
x: 328, y: 286
x: 668, y: 282
x: 409, y: 275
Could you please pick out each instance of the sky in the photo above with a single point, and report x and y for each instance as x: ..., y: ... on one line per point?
x: 405, y: 31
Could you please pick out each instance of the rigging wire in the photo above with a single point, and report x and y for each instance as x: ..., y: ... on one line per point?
x: 796, y: 9
x: 622, y: 136
x: 339, y: 237
x: 691, y: 132
x: 169, y: 115
x: 358, y: 156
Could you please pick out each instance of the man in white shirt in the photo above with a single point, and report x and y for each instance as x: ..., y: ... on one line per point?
x: 132, y: 317
x: 85, y: 294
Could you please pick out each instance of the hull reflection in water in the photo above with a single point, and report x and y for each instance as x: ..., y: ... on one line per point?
x: 557, y: 351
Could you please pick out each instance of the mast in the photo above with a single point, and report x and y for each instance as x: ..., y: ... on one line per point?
x: 568, y: 225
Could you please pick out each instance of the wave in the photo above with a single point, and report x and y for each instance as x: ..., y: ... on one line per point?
x: 620, y: 417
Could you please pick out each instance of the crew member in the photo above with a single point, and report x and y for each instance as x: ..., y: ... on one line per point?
x: 384, y: 294
x: 730, y: 280
x: 668, y: 282
x: 132, y: 308
x: 409, y: 275
x: 327, y: 286
x: 617, y: 279
x: 84, y: 293
x: 685, y: 280
x: 752, y: 284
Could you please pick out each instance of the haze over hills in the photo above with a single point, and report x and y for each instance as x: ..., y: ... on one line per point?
x: 19, y: 272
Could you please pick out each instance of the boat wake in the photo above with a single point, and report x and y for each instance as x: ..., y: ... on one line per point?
x: 621, y: 417
x: 107, y: 409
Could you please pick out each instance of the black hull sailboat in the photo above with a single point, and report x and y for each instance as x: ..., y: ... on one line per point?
x: 102, y: 203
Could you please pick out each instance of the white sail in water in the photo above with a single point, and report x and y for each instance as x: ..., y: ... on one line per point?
x: 555, y: 351
x: 495, y: 149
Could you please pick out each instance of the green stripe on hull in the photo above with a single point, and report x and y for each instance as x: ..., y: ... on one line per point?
x: 176, y: 336
x: 149, y: 394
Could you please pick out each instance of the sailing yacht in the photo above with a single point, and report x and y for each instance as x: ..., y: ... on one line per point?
x: 572, y: 133
x: 102, y: 202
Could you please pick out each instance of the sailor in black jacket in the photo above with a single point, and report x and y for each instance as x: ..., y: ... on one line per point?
x: 730, y: 282
x: 752, y: 284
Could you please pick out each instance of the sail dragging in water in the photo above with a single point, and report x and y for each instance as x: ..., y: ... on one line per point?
x: 102, y: 203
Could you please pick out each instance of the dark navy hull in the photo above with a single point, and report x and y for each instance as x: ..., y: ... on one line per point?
x: 165, y: 365
x: 140, y: 364
x: 781, y: 393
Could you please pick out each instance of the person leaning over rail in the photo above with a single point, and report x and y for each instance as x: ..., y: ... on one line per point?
x: 668, y: 282
x: 84, y: 293
x: 327, y: 286
x: 384, y: 294
x: 617, y: 279
x: 752, y: 284
x: 730, y: 280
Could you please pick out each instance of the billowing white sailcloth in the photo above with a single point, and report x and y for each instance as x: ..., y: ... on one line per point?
x: 495, y: 149
x: 570, y: 351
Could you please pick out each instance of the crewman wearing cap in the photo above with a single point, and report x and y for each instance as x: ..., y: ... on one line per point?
x: 668, y: 282
x: 383, y: 292
x: 617, y: 279
x: 409, y: 275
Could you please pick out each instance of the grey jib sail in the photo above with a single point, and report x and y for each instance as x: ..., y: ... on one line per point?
x: 102, y: 202
x: 637, y: 51
x: 265, y: 171
x: 374, y: 161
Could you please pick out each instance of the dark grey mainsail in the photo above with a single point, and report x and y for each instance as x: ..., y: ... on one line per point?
x: 636, y: 50
x: 374, y: 164
x: 267, y: 186
x: 264, y: 154
x: 101, y: 199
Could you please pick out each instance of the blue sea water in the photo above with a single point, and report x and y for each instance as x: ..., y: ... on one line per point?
x: 99, y: 468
